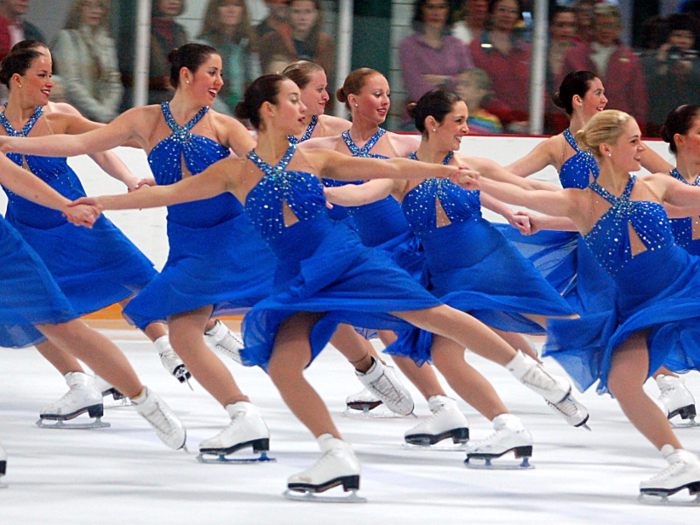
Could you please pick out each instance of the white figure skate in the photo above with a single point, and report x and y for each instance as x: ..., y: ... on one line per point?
x: 225, y: 341
x: 683, y: 472
x: 3, y: 465
x: 171, y: 361
x: 247, y: 429
x: 555, y: 390
x: 163, y: 420
x: 381, y: 381
x: 509, y: 436
x: 118, y: 399
x: 445, y: 423
x: 337, y: 466
x: 363, y: 403
x: 82, y: 396
x: 677, y: 400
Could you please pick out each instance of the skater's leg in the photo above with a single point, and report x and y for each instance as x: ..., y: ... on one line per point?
x: 62, y: 361
x: 186, y: 336
x: 98, y: 352
x: 464, y: 379
x: 422, y: 377
x: 291, y: 355
x: 628, y: 372
x: 356, y: 349
x: 518, y: 342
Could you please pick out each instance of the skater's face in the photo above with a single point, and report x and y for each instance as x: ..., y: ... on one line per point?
x: 453, y: 127
x: 314, y: 95
x: 287, y: 115
x: 594, y: 101
x: 626, y: 154
x: 205, y: 83
x: 373, y: 100
x: 36, y: 82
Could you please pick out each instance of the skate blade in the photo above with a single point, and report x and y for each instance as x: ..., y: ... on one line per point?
x: 486, y: 462
x: 309, y: 496
x: 370, y: 414
x: 117, y: 402
x: 437, y: 447
x: 665, y: 499
x: 62, y: 425
x: 208, y: 457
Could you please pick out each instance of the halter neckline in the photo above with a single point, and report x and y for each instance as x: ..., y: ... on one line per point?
x: 11, y: 131
x: 572, y: 141
x: 307, y: 134
x: 364, y: 150
x: 676, y: 174
x: 445, y: 161
x: 612, y: 199
x: 268, y: 169
x: 182, y: 131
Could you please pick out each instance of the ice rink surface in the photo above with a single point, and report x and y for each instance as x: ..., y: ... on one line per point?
x: 124, y: 475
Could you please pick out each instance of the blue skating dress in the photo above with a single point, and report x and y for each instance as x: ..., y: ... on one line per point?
x: 563, y: 257
x: 382, y: 224
x: 683, y: 228
x: 307, y: 133
x: 216, y: 257
x: 472, y: 267
x: 657, y: 289
x: 28, y: 293
x: 322, y: 267
x: 94, y: 267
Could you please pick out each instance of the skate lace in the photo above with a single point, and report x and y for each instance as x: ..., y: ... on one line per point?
x: 160, y: 419
x: 670, y: 471
x: 487, y: 441
x: 389, y: 391
x: 231, y: 345
x: 566, y: 407
x: 72, y: 392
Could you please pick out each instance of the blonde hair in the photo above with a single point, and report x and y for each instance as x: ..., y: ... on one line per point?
x: 74, y: 20
x: 605, y: 127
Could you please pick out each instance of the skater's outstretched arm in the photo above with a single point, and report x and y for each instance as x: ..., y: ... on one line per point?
x: 361, y: 194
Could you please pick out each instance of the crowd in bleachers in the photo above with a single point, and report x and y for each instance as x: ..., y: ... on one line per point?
x: 479, y: 48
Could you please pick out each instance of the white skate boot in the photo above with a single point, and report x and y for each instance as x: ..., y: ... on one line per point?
x: 337, y: 466
x: 381, y: 381
x: 82, y: 397
x: 225, y: 341
x: 3, y: 465
x: 446, y: 422
x: 677, y: 399
x: 555, y: 390
x: 163, y: 420
x: 118, y: 399
x: 509, y: 435
x: 364, y: 401
x: 247, y: 429
x: 171, y: 361
x: 683, y: 472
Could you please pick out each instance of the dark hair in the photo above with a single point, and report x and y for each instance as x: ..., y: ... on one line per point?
x: 300, y: 72
x: 419, y: 20
x: 156, y: 12
x: 353, y: 84
x: 558, y: 11
x: 27, y: 44
x: 190, y: 56
x: 263, y: 89
x: 492, y: 6
x: 680, y: 120
x: 436, y: 103
x: 18, y: 62
x: 575, y: 83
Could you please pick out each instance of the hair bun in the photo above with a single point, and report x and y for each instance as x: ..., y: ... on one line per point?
x: 340, y: 95
x: 411, y: 110
x: 174, y: 56
x: 242, y: 111
x: 556, y: 98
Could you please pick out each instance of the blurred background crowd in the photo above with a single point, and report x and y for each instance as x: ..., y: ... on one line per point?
x: 644, y: 51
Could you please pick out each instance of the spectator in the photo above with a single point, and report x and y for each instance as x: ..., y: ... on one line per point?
x: 562, y: 34
x: 277, y: 19
x: 227, y: 29
x: 431, y: 57
x: 506, y: 59
x: 13, y: 27
x: 674, y: 70
x: 474, y: 88
x: 471, y: 20
x: 306, y: 41
x: 86, y: 58
x: 584, y: 20
x: 616, y: 65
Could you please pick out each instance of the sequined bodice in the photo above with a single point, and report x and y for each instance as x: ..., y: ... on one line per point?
x: 307, y: 134
x: 302, y: 193
x: 380, y: 221
x: 609, y: 239
x: 420, y: 204
x: 683, y: 227
x: 576, y: 171
x: 198, y: 153
x: 52, y: 170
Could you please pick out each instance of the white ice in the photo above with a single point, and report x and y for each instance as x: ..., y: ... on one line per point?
x: 124, y: 475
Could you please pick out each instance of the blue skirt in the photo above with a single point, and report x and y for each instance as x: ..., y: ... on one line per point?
x: 94, y: 267
x: 347, y: 281
x: 226, y: 265
x: 28, y: 293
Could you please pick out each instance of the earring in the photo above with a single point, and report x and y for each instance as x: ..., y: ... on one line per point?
x: 355, y: 105
x: 609, y: 154
x: 434, y: 130
x: 187, y: 81
x: 20, y: 85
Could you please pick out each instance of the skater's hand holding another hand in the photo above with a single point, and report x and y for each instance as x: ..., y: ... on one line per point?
x: 148, y: 181
x: 466, y: 177
x: 93, y: 202
x: 81, y: 214
x: 521, y: 221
